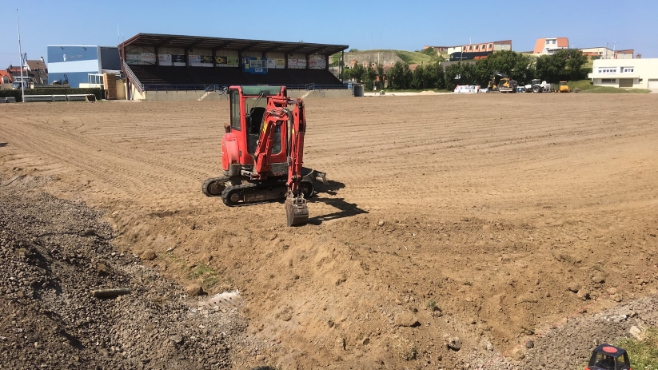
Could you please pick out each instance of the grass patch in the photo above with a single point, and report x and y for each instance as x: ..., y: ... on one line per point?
x: 412, y: 57
x: 586, y: 86
x: 209, y: 277
x: 406, y: 349
x: 409, y: 57
x: 643, y: 354
x: 180, y: 262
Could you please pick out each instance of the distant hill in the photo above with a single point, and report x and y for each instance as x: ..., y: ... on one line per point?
x: 384, y: 57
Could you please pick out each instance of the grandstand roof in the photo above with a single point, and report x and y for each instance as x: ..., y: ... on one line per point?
x: 217, y: 43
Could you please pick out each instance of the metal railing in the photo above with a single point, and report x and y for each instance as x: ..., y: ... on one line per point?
x: 133, y: 79
x: 202, y: 87
x: 219, y: 89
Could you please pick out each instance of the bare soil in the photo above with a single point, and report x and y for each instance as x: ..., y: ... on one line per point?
x: 487, y: 218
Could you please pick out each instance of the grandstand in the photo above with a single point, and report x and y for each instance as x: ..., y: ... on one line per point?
x: 155, y: 64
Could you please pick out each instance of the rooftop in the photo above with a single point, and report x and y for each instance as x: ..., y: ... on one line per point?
x: 217, y: 43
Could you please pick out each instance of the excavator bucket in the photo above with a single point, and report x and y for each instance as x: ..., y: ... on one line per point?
x: 296, y: 211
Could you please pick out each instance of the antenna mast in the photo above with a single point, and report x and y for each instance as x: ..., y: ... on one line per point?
x: 20, y: 51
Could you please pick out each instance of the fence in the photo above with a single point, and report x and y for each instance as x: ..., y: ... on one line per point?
x: 67, y: 97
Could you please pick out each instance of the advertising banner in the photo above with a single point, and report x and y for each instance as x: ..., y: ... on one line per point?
x: 233, y: 61
x: 140, y: 58
x: 280, y: 63
x: 221, y: 60
x: 296, y: 63
x: 206, y: 61
x: 178, y: 60
x: 148, y: 58
x: 254, y: 65
x: 317, y: 62
x: 164, y: 59
x: 133, y: 58
x: 195, y: 60
x: 271, y: 63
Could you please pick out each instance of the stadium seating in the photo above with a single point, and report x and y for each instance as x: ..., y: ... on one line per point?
x: 173, y: 76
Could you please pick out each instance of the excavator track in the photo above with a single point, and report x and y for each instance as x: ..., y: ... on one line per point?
x: 250, y: 192
x: 214, y: 186
x: 240, y: 195
x: 244, y: 194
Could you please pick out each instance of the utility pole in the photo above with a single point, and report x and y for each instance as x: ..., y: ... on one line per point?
x: 20, y: 51
x: 614, y: 48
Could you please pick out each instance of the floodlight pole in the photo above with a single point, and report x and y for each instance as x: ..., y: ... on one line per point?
x: 20, y: 51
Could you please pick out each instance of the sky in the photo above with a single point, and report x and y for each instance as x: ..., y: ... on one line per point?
x: 361, y: 24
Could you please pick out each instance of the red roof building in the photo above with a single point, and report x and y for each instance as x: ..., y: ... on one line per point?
x: 549, y: 45
x: 5, y: 77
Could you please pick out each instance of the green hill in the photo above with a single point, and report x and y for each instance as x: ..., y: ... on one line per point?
x: 385, y: 57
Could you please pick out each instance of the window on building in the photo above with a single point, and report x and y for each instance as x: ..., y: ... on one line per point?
x: 640, y: 80
x: 608, y: 80
x: 627, y: 69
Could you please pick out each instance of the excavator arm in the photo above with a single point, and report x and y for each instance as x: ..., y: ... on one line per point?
x: 276, y: 114
x: 296, y: 208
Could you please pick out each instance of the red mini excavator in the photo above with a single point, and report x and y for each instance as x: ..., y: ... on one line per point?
x: 262, y: 152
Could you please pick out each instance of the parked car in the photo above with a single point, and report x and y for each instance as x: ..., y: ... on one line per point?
x: 467, y: 89
x: 17, y: 85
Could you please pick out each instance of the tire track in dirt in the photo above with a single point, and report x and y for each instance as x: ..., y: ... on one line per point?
x: 489, y: 218
x: 132, y: 172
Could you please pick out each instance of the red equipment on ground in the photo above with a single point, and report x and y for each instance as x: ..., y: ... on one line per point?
x: 608, y: 357
x: 262, y: 152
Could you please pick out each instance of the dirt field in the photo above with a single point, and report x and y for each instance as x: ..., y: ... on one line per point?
x: 490, y: 218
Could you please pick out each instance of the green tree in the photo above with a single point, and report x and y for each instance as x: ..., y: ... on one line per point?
x: 565, y: 64
x: 440, y: 82
x: 461, y: 73
x: 434, y: 77
x: 575, y: 62
x: 407, y: 76
x: 358, y: 73
x: 418, y: 77
x: 396, y: 76
x: 517, y: 66
x: 347, y: 74
x: 549, y: 68
x: 380, y: 73
x: 369, y: 78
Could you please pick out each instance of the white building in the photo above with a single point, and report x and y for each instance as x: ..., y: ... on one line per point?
x: 635, y: 73
x: 549, y: 45
x: 605, y: 52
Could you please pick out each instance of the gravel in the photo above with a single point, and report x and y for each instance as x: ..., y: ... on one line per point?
x: 53, y: 254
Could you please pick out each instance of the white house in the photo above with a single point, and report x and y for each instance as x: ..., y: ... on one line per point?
x: 635, y: 73
x: 550, y: 45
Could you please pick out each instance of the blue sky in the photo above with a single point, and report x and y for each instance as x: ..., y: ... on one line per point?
x: 363, y: 24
